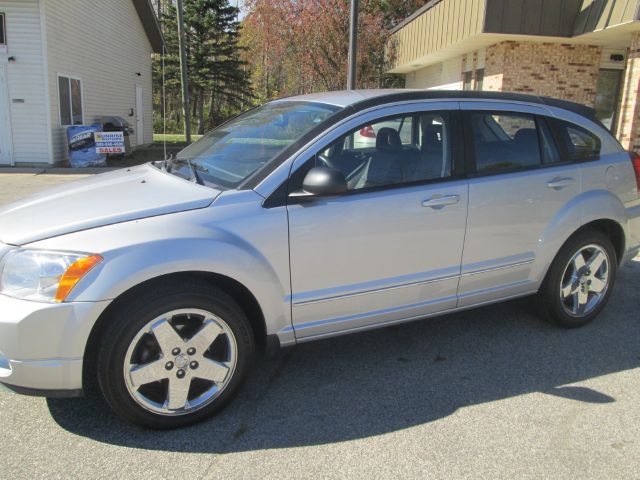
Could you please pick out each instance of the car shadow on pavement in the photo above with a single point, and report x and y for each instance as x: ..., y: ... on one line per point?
x: 395, y: 378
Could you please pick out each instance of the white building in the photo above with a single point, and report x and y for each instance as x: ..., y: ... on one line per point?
x: 70, y: 62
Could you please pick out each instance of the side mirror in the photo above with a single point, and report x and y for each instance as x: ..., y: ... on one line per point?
x: 322, y: 182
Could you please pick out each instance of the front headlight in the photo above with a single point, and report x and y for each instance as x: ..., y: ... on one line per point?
x: 43, y: 276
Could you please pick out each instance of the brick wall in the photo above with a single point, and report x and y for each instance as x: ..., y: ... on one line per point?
x: 629, y: 118
x: 563, y: 71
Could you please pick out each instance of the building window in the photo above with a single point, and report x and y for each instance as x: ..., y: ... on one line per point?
x: 70, y: 98
x: 467, y: 79
x: 608, y: 97
x: 479, y: 79
x: 3, y: 30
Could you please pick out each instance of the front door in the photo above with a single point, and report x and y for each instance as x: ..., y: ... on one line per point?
x: 5, y: 120
x: 390, y: 248
x: 139, y: 115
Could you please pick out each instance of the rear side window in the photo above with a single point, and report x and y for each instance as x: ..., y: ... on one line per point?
x: 578, y: 143
x: 510, y: 141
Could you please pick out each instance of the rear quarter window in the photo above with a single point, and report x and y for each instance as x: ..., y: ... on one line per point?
x: 578, y: 143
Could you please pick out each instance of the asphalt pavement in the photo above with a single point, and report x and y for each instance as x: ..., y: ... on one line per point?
x: 488, y: 393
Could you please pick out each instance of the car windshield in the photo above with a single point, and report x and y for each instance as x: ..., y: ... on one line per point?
x: 232, y: 152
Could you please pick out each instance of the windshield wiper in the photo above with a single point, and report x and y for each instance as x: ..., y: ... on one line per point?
x: 195, y: 178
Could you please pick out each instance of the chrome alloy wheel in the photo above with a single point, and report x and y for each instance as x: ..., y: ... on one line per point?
x: 585, y: 280
x: 180, y: 361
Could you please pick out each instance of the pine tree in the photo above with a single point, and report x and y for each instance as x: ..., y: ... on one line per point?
x: 218, y: 81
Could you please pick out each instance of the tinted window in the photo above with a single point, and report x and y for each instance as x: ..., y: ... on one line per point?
x: 402, y: 149
x: 510, y: 141
x: 579, y: 143
x: 480, y: 79
x: 467, y: 78
x: 3, y: 38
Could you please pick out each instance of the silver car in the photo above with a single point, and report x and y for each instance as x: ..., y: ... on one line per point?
x: 158, y: 284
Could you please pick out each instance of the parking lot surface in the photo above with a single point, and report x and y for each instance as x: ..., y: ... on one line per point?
x: 487, y: 393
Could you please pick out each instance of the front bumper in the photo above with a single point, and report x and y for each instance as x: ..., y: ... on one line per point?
x: 42, y: 345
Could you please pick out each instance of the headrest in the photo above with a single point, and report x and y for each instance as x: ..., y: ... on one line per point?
x: 388, y: 139
x: 431, y: 135
x: 526, y: 135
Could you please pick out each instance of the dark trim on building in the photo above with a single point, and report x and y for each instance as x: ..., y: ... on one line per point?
x: 550, y: 18
x: 150, y: 23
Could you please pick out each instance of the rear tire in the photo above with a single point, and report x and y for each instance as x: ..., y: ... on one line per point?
x: 175, y: 355
x: 580, y: 280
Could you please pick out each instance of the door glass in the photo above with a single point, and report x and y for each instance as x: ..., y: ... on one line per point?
x: 393, y: 151
x: 607, y: 96
x: 505, y: 141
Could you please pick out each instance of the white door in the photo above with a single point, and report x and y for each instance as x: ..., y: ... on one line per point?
x: 5, y: 119
x: 139, y: 116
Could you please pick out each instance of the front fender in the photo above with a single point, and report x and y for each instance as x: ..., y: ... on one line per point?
x: 248, y: 246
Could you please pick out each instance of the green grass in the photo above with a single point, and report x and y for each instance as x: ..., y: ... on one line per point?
x: 172, y: 137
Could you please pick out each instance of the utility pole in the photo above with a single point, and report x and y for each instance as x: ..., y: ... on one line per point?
x: 183, y: 70
x: 353, y: 45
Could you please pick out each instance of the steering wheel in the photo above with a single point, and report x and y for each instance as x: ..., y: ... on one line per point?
x: 324, y: 161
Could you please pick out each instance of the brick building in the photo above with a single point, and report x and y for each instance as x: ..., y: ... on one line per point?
x: 587, y: 51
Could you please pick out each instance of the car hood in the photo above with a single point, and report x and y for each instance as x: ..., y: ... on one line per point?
x: 114, y: 197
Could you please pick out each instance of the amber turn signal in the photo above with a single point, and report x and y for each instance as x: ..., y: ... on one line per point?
x: 73, y: 274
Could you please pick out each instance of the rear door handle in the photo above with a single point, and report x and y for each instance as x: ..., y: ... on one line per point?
x: 559, y: 183
x: 439, y: 201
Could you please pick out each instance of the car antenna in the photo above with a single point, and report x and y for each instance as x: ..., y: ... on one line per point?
x: 164, y: 109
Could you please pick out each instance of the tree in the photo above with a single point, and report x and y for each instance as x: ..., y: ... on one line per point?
x: 297, y: 46
x: 218, y: 78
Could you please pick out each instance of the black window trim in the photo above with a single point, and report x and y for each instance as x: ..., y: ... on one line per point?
x: 470, y: 161
x: 280, y: 196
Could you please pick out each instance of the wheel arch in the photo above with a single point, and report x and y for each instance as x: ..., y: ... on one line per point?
x: 245, y: 298
x: 611, y: 228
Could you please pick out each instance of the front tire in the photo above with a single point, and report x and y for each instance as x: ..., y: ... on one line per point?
x: 580, y: 280
x: 175, y: 355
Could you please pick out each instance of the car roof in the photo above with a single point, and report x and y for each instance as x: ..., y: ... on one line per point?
x: 361, y: 99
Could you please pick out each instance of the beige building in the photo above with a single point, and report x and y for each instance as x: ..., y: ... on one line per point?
x: 587, y: 51
x: 68, y: 62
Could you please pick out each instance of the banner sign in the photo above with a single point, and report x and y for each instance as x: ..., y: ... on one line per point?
x: 109, y: 142
x: 82, y: 147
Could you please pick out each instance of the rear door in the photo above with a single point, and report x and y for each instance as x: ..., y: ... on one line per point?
x: 389, y: 249
x: 518, y: 185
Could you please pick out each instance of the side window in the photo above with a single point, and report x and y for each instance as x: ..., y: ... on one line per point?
x: 395, y: 150
x: 366, y: 136
x: 579, y: 143
x: 510, y: 141
x: 3, y: 29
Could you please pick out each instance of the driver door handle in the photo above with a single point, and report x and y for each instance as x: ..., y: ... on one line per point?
x: 439, y: 201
